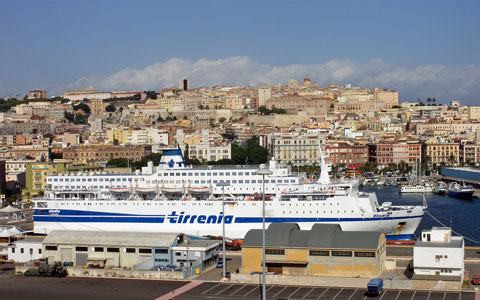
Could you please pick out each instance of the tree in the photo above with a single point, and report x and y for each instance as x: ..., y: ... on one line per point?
x: 83, y: 107
x: 81, y: 119
x: 115, y: 142
x: 118, y: 162
x: 278, y: 110
x: 151, y: 94
x: 239, y: 154
x: 429, y: 101
x: 263, y: 110
x: 222, y: 119
x: 110, y: 108
x: 256, y: 154
x: 70, y: 117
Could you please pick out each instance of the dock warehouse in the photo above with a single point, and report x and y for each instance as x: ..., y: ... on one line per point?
x: 137, y: 250
x: 325, y: 250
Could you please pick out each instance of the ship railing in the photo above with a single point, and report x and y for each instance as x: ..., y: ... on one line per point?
x: 211, y: 167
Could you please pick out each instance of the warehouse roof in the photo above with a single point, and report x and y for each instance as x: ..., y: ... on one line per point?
x: 321, y: 236
x: 112, y: 238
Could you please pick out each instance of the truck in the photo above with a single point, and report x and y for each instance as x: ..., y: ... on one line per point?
x: 230, y: 244
x: 375, y: 287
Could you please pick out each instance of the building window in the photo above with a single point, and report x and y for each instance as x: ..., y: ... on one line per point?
x: 98, y: 249
x: 145, y: 250
x: 81, y: 249
x: 178, y: 253
x: 161, y: 251
x: 161, y: 260
x: 342, y: 253
x: 116, y: 250
x: 21, y: 250
x: 364, y: 254
x: 130, y: 250
x: 39, y: 251
x: 275, y: 251
x: 51, y: 248
x: 319, y: 253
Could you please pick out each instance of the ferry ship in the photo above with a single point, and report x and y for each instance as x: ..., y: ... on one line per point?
x: 174, y: 197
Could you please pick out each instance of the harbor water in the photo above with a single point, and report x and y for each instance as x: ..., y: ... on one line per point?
x: 462, y: 215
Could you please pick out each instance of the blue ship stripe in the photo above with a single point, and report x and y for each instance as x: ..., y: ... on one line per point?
x: 161, y: 219
x: 300, y: 220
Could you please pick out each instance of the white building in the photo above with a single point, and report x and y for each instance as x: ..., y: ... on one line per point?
x: 439, y: 254
x: 297, y: 149
x: 25, y: 250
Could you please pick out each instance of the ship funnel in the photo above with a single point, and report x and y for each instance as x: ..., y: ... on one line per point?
x: 324, y: 169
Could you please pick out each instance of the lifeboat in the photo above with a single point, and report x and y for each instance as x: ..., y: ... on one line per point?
x: 145, y: 190
x: 199, y: 189
x: 175, y: 190
x: 120, y: 189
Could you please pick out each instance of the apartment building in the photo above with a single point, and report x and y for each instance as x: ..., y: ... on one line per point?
x: 104, y: 153
x: 353, y: 156
x: 448, y: 153
x: 296, y: 149
x: 37, y: 173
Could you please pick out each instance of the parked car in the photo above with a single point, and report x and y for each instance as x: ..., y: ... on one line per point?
x: 476, y: 279
x: 220, y: 263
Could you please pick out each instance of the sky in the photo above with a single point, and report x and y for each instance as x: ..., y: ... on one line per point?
x: 419, y: 48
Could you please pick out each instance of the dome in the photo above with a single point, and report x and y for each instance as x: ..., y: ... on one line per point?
x: 307, y: 80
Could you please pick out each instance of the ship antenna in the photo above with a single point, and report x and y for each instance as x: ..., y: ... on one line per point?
x: 425, y: 201
x: 324, y: 177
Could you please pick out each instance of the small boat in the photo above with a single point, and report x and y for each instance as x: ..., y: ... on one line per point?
x: 416, y: 188
x: 463, y: 191
x: 440, y: 188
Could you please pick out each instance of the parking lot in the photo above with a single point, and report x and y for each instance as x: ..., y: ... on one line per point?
x: 242, y: 291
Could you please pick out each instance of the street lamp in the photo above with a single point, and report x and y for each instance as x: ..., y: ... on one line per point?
x: 263, y: 172
x: 223, y: 184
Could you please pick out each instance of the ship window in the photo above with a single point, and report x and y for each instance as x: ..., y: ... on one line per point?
x: 172, y: 174
x: 184, y: 174
x: 234, y: 181
x: 215, y: 181
x: 78, y: 179
x: 273, y: 180
x: 215, y: 173
x: 118, y: 179
x: 203, y: 181
x: 221, y: 174
x: 190, y: 174
x: 67, y: 179
x: 254, y: 181
x: 292, y: 180
x: 240, y: 181
x: 84, y: 179
x: 267, y: 181
x: 196, y: 181
x: 202, y: 174
x: 61, y: 179
x: 240, y: 173
x: 228, y: 173
x: 234, y: 173
x: 260, y: 181
x: 209, y: 174
x: 247, y: 181
x: 100, y: 179
x: 247, y: 173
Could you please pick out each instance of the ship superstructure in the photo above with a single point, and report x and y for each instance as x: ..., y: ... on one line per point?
x: 174, y: 197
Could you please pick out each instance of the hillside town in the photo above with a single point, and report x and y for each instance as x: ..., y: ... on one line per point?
x: 362, y: 129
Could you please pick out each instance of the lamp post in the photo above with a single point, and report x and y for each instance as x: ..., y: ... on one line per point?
x: 263, y: 172
x: 223, y: 184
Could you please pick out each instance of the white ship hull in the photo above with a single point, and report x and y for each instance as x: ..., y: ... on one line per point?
x: 157, y: 201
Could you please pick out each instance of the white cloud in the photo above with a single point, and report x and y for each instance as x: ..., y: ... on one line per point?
x: 439, y: 81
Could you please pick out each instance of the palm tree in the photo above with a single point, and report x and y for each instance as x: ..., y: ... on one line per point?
x: 429, y: 100
x: 434, y: 101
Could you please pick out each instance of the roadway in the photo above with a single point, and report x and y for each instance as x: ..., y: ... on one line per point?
x: 22, y: 287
